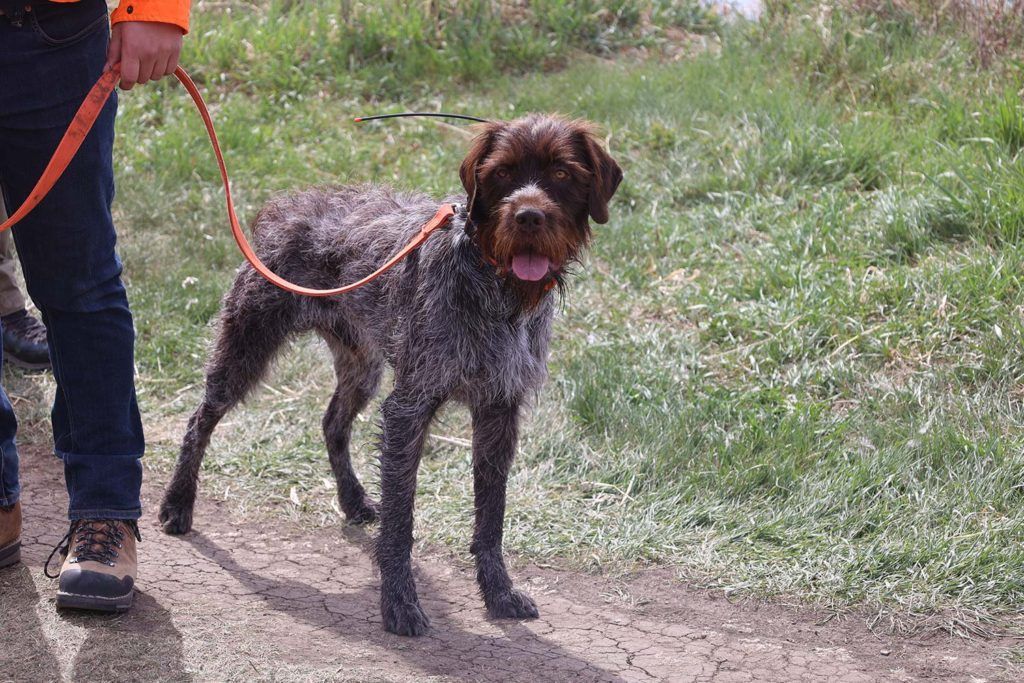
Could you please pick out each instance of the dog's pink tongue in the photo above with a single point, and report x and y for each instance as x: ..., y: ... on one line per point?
x: 530, y: 266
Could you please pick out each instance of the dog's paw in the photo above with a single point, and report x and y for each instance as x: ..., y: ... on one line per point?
x: 405, y: 619
x: 514, y: 604
x: 366, y: 511
x: 175, y: 520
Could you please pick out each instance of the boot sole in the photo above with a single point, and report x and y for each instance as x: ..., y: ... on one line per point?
x: 95, y: 603
x: 10, y: 554
x: 23, y: 364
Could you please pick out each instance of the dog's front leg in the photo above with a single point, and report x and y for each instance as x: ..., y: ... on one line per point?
x: 406, y: 421
x: 495, y: 433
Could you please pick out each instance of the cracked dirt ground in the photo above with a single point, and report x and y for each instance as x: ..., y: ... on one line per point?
x: 240, y: 600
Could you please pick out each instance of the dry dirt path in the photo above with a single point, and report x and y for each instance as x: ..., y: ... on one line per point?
x: 236, y: 600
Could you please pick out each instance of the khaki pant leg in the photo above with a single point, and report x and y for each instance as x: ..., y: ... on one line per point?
x: 11, y: 298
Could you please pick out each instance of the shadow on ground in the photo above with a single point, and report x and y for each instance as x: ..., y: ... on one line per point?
x: 41, y: 643
x: 352, y: 615
x: 244, y: 599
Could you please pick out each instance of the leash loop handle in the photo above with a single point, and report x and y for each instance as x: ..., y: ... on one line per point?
x: 90, y: 110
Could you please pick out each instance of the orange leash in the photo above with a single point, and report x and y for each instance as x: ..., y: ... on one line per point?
x: 90, y: 111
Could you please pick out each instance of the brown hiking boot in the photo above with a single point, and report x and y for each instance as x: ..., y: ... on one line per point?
x: 100, y: 565
x: 10, y: 534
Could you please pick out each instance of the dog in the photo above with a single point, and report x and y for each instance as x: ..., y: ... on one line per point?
x: 466, y: 318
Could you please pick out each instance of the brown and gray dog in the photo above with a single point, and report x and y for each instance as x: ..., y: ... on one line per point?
x: 466, y: 318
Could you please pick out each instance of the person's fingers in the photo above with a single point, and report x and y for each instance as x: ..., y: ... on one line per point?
x: 146, y: 64
x: 129, y: 72
x: 172, y: 62
x: 160, y: 66
x: 147, y: 51
x: 114, y: 49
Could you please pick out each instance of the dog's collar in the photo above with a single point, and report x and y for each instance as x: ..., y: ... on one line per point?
x: 468, y: 226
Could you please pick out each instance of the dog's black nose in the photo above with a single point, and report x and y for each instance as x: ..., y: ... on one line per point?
x: 530, y: 218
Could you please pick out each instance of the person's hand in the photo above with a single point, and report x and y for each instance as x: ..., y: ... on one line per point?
x: 147, y: 50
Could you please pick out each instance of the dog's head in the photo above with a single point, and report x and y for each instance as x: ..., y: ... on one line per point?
x: 533, y: 185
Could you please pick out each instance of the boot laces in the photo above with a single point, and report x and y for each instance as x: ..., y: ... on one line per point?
x: 27, y: 327
x: 94, y: 541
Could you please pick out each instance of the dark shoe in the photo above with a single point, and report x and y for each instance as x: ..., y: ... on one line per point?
x: 10, y: 534
x: 25, y: 341
x: 100, y: 565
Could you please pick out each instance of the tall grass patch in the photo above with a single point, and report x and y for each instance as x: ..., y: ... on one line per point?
x: 384, y: 49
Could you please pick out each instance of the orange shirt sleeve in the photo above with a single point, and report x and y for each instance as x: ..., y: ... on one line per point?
x: 163, y: 11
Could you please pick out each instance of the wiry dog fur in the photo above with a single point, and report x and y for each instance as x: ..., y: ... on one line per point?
x: 455, y: 321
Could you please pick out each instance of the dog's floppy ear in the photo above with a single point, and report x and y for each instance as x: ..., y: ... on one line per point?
x: 481, y: 148
x: 605, y: 179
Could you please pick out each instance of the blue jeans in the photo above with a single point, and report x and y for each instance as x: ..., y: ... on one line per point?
x: 49, y: 58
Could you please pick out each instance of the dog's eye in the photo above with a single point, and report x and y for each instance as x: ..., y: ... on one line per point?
x: 561, y: 174
x: 502, y: 173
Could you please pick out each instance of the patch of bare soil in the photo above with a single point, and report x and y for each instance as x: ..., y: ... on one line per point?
x: 238, y: 600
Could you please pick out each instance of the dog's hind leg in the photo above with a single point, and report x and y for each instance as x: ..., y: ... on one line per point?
x: 358, y: 378
x: 495, y: 432
x: 255, y: 321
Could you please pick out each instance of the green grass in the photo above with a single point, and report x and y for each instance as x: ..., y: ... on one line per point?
x: 793, y: 363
